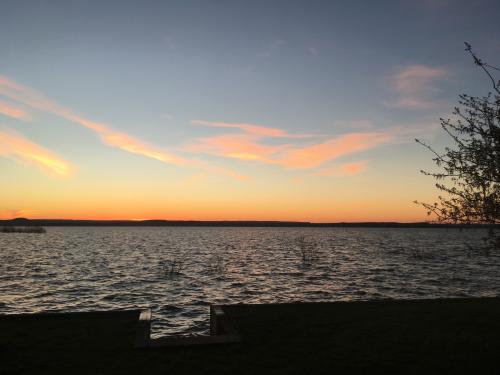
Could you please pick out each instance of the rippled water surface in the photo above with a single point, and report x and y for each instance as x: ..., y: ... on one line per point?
x: 78, y: 269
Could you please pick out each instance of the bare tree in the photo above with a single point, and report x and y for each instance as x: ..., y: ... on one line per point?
x: 469, y: 173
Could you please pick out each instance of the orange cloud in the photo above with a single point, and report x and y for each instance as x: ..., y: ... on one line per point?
x: 30, y: 97
x: 13, y: 111
x: 20, y: 149
x: 416, y: 85
x: 315, y: 155
x: 247, y: 146
x: 239, y: 146
x: 243, y: 145
x: 109, y: 136
x: 125, y: 142
x: 106, y: 133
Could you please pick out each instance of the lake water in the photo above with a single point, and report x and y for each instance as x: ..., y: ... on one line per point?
x: 80, y: 269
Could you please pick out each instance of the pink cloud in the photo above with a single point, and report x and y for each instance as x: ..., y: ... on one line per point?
x: 298, y: 151
x: 126, y: 142
x: 13, y: 111
x: 248, y: 146
x: 239, y: 146
x: 30, y: 97
x: 16, y: 147
x: 415, y: 78
x: 109, y: 136
x: 416, y: 86
x: 334, y: 148
x: 106, y: 133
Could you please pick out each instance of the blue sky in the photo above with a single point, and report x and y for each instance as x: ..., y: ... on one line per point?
x: 178, y: 75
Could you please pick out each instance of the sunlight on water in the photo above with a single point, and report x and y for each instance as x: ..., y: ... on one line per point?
x: 78, y: 269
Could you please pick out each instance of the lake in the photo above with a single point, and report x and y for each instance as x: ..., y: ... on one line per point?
x: 179, y: 271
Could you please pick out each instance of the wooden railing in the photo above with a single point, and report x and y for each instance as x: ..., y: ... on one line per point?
x: 221, y: 332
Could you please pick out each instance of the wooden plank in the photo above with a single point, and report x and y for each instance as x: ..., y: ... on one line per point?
x: 143, y: 332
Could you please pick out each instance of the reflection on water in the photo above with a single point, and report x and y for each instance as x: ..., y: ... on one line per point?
x: 78, y: 269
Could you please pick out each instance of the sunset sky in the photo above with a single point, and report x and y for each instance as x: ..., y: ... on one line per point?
x: 231, y: 110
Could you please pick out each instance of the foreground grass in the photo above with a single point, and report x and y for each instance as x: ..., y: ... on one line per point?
x: 457, y: 336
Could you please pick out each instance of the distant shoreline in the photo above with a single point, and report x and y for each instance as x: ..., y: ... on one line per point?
x: 229, y: 223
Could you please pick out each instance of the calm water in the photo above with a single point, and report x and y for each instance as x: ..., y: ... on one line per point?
x: 78, y: 269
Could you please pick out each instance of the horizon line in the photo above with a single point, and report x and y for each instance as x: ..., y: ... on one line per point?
x: 255, y: 223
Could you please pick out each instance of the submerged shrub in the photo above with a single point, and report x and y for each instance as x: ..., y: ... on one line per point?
x: 217, y: 265
x: 306, y: 248
x: 172, y: 267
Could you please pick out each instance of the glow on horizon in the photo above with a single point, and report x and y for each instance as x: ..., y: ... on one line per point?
x: 256, y: 113
x: 308, y: 153
x: 201, y: 213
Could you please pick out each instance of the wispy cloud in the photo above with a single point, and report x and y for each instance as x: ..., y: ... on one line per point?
x: 315, y: 155
x: 248, y: 145
x: 16, y: 112
x: 106, y: 133
x: 133, y: 145
x: 18, y: 148
x: 416, y: 86
x: 242, y: 145
x: 238, y: 146
x: 244, y: 141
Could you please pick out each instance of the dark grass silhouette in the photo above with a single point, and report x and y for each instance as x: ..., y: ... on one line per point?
x: 453, y: 336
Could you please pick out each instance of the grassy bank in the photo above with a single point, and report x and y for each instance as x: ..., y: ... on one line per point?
x: 459, y: 336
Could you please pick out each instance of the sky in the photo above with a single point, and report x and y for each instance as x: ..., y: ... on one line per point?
x: 231, y: 110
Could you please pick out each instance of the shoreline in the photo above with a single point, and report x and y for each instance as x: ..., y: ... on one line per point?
x: 229, y: 223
